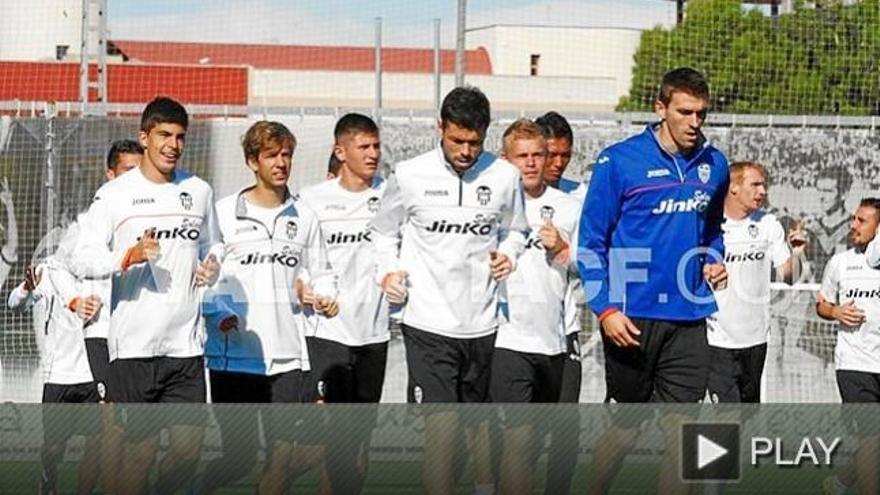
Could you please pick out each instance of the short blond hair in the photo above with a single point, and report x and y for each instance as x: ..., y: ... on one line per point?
x: 521, y: 129
x: 738, y: 170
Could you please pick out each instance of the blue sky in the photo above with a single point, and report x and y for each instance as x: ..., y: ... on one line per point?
x: 350, y: 22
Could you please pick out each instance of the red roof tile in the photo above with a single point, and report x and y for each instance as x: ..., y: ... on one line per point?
x: 296, y: 57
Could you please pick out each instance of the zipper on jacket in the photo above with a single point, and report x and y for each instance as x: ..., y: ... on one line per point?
x: 460, y: 188
x: 49, y: 315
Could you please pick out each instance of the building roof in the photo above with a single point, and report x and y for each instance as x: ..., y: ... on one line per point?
x: 298, y: 57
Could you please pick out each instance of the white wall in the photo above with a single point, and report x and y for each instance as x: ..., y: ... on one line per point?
x: 30, y: 29
x: 416, y: 91
x: 564, y: 51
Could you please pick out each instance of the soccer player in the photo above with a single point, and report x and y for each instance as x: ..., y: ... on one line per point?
x: 562, y: 454
x: 754, y: 243
x: 849, y: 296
x: 348, y: 353
x: 530, y: 349
x: 450, y: 227
x: 155, y: 230
x: 124, y: 155
x: 68, y: 377
x: 255, y: 350
x: 560, y: 139
x: 653, y: 209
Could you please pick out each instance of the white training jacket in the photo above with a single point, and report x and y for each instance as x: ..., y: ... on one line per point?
x: 574, y: 297
x: 64, y: 358
x: 257, y: 284
x: 753, y: 246
x: 849, y: 278
x: 155, y: 307
x: 439, y: 227
x: 533, y: 316
x: 344, y: 217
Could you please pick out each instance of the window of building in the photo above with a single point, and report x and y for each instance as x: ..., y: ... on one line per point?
x: 61, y: 51
x: 533, y: 66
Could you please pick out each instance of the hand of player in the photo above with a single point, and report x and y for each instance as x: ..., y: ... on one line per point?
x: 88, y: 307
x: 621, y: 330
x: 849, y: 315
x: 797, y: 239
x: 146, y: 249
x: 715, y: 274
x: 228, y: 324
x: 327, y: 305
x: 208, y: 271
x: 500, y: 265
x: 394, y: 287
x: 550, y: 238
x: 32, y: 278
x: 304, y: 293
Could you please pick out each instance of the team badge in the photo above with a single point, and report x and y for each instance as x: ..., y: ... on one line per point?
x: 322, y: 389
x: 102, y: 391
x: 705, y: 172
x: 418, y: 395
x: 753, y: 230
x: 291, y: 229
x: 186, y: 200
x: 547, y: 213
x: 484, y: 195
x: 373, y: 204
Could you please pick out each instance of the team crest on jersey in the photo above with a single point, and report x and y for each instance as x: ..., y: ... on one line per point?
x: 704, y: 171
x: 102, y: 390
x: 418, y: 395
x: 186, y: 200
x: 373, y: 204
x: 322, y: 389
x: 484, y: 195
x: 753, y: 230
x: 547, y: 213
x: 291, y: 229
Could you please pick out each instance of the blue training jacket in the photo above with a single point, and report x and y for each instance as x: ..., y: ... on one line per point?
x: 645, y: 213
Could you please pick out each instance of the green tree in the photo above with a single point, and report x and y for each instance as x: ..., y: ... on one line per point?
x: 820, y: 59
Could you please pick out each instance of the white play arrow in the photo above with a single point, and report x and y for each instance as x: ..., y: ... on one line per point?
x: 708, y: 451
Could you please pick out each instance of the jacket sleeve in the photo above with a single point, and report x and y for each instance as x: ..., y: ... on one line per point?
x: 599, y: 215
x: 385, y: 229
x: 20, y: 300
x: 210, y: 238
x: 94, y: 256
x: 713, y: 234
x: 514, y: 228
x: 319, y: 272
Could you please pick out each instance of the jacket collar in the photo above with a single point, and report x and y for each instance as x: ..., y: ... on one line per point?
x: 241, y: 209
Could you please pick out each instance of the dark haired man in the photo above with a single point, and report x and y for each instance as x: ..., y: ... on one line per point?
x: 848, y: 296
x: 348, y: 353
x: 450, y: 227
x: 649, y: 252
x: 155, y: 230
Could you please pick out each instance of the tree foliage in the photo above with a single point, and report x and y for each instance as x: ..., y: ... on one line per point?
x: 821, y: 59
